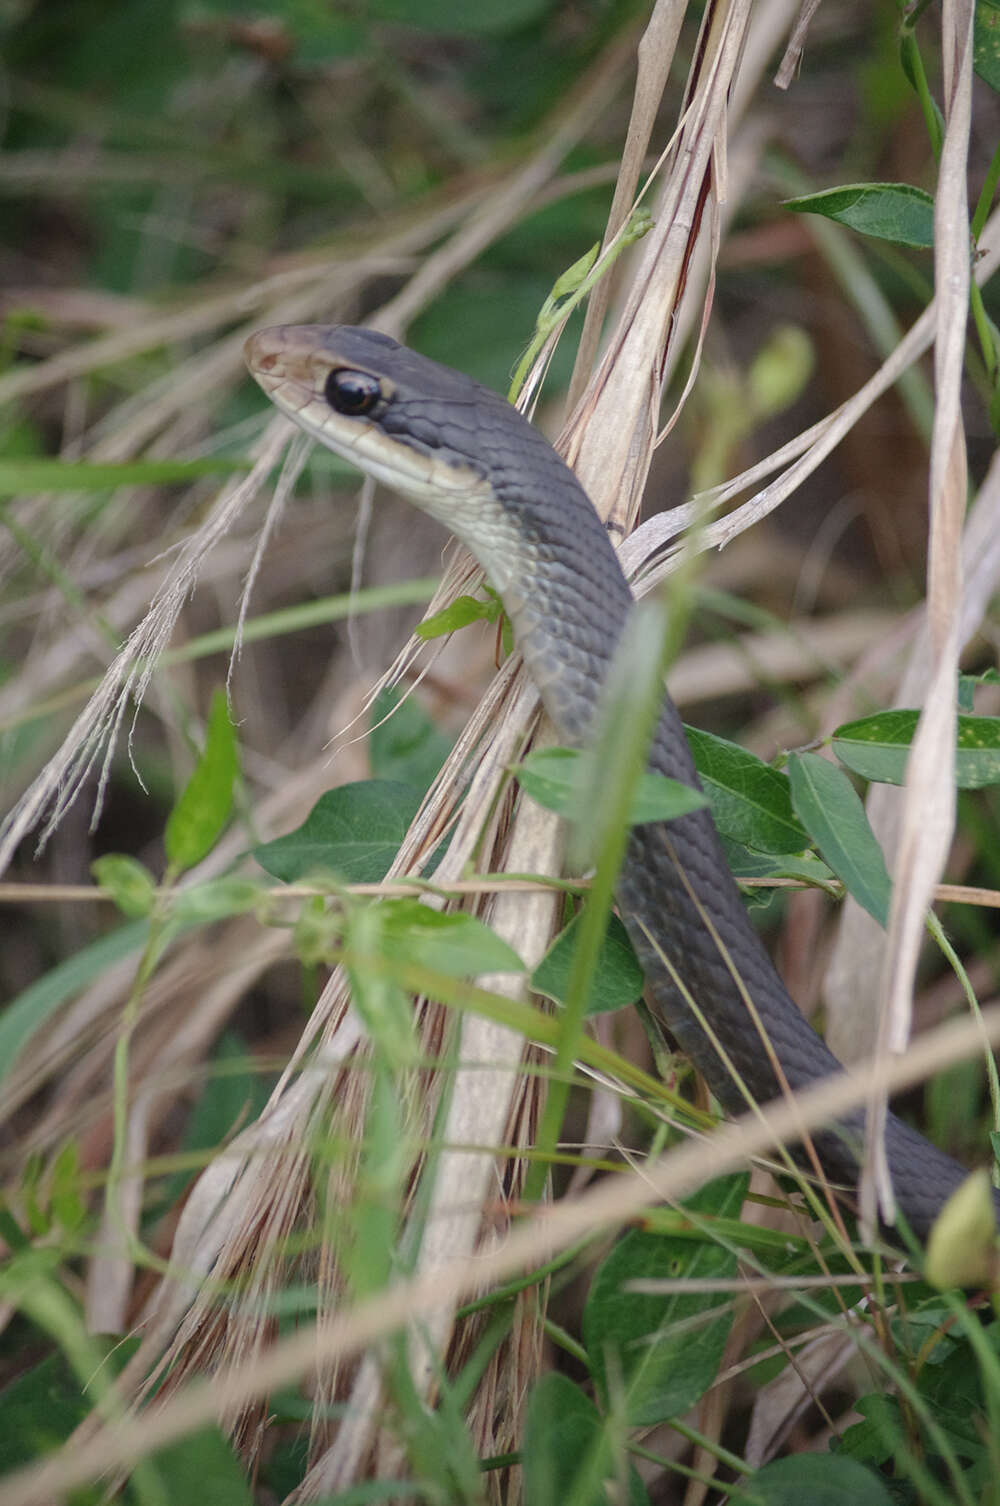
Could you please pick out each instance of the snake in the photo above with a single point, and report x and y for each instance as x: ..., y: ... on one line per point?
x: 464, y: 455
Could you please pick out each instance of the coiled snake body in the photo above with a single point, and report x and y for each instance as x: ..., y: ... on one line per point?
x: 463, y: 454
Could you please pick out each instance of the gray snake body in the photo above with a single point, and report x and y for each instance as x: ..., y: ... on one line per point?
x: 463, y: 454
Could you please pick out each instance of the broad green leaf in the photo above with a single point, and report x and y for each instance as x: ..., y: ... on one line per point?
x: 200, y: 815
x: 129, y: 883
x: 42, y: 1407
x: 882, y: 1433
x: 38, y: 475
x: 986, y: 42
x: 617, y: 977
x: 202, y: 1466
x: 456, y: 944
x: 744, y: 864
x: 894, y: 212
x: 877, y: 747
x: 404, y: 743
x: 353, y: 831
x: 828, y: 806
x: 30, y: 1010
x: 819, y: 1479
x: 956, y: 1392
x: 567, y: 1452
x: 551, y: 778
x: 38, y: 1411
x: 751, y: 802
x: 69, y: 1205
x: 658, y: 1354
x: 462, y: 611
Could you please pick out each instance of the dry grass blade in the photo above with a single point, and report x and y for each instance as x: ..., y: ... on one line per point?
x: 610, y: 437
x: 929, y: 801
x: 93, y: 735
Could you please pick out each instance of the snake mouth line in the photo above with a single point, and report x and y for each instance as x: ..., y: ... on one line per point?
x: 292, y: 366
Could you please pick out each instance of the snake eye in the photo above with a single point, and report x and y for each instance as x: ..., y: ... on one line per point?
x: 352, y: 393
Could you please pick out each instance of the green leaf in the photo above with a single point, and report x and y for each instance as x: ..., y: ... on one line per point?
x: 38, y: 1411
x: 567, y: 1450
x: 129, y: 883
x: 202, y: 1466
x: 894, y: 212
x: 986, y: 42
x: 552, y: 778
x: 828, y: 806
x: 41, y: 1408
x: 456, y: 944
x: 617, y: 977
x: 69, y: 1205
x: 751, y: 801
x: 33, y: 475
x: 744, y: 864
x: 820, y: 1479
x: 353, y: 831
x: 384, y: 1009
x: 197, y: 820
x: 877, y: 747
x: 404, y: 743
x: 463, y: 611
x: 30, y: 1010
x: 660, y: 1353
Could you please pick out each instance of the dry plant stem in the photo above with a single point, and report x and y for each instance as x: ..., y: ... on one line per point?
x: 496, y: 883
x: 250, y: 1199
x: 654, y: 57
x: 602, y: 1207
x: 928, y: 817
x: 796, y: 44
x: 484, y: 1089
x: 609, y: 438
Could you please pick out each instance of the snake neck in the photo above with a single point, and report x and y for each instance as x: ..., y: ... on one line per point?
x: 549, y: 557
